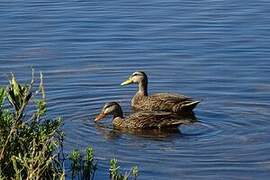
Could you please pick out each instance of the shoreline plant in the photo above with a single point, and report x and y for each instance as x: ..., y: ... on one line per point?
x: 31, y: 145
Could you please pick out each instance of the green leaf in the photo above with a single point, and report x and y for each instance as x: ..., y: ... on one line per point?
x: 89, y: 154
x: 2, y: 96
x: 15, y: 86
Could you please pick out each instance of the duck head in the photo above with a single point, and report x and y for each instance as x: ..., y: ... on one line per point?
x: 111, y: 108
x: 136, y: 77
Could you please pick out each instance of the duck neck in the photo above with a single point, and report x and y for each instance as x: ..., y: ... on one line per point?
x: 143, y: 87
x: 118, y: 118
x: 119, y: 114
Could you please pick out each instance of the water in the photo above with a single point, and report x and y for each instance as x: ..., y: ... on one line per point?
x: 213, y: 50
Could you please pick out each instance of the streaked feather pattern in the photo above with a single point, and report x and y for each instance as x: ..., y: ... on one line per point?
x: 143, y: 120
x: 151, y: 120
x: 163, y: 102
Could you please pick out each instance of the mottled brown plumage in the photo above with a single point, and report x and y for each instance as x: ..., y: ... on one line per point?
x: 141, y: 120
x: 158, y: 102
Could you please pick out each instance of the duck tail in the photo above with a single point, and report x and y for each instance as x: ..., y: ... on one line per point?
x: 189, y: 106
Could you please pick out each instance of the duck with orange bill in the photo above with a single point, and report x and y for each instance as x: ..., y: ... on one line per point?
x: 142, y: 120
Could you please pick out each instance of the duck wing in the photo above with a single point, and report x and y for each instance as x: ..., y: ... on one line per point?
x: 155, y: 120
x: 171, y: 97
x: 172, y: 102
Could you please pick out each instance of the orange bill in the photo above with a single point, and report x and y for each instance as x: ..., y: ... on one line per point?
x: 99, y: 117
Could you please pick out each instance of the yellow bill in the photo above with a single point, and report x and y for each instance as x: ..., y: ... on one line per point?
x: 129, y: 81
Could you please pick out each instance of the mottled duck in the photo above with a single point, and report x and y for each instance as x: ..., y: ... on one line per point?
x: 170, y: 102
x: 141, y: 120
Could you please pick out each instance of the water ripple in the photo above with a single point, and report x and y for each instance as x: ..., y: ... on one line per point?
x: 214, y: 51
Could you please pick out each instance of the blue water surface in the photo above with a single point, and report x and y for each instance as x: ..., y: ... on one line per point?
x: 212, y: 50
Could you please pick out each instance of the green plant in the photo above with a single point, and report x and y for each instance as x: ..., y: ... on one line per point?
x: 31, y: 146
x: 83, y: 167
x: 90, y: 166
x: 76, y: 159
x: 28, y: 144
x: 116, y: 174
x: 2, y: 97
